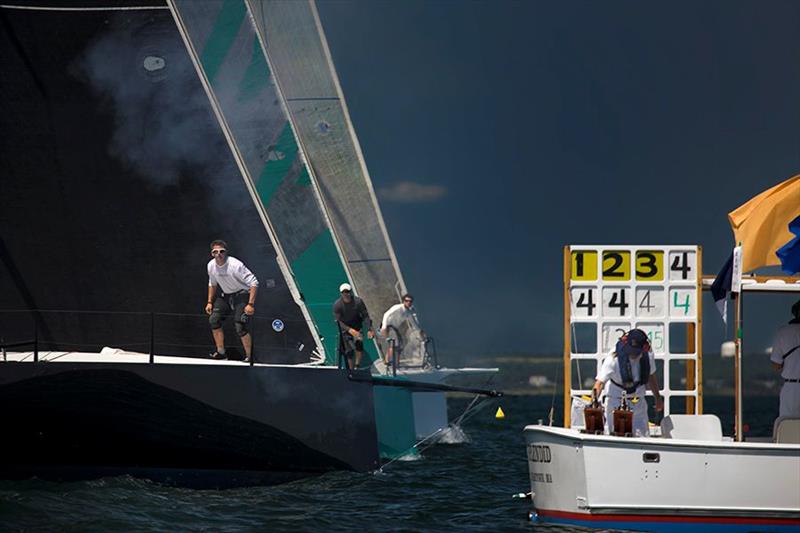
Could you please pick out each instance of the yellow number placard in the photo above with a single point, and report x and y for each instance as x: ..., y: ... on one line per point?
x: 649, y: 265
x: 584, y: 265
x: 617, y: 265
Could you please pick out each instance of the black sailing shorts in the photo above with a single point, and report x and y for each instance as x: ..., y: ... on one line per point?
x: 224, y: 304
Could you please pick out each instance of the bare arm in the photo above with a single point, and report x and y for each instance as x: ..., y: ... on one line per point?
x: 211, y: 293
x: 597, y: 389
x: 249, y: 309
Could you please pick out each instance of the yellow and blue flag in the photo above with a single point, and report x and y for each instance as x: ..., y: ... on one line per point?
x: 768, y: 227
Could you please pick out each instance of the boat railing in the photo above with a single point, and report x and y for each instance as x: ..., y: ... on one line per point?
x: 154, y: 333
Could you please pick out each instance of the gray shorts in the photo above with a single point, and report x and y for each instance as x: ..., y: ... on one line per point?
x: 394, y: 335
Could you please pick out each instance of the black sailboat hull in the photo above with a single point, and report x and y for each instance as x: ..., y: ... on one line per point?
x: 186, y: 424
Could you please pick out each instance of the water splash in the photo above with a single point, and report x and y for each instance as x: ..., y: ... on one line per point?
x: 453, y: 434
x: 409, y: 457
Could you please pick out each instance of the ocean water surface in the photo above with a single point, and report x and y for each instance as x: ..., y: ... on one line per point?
x: 466, y: 485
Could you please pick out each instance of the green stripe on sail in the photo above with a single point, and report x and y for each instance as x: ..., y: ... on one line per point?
x: 282, y: 155
x: 224, y: 32
x: 256, y: 76
x: 319, y: 272
x: 304, y: 179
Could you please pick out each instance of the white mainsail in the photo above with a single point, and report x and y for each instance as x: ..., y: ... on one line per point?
x: 298, y: 53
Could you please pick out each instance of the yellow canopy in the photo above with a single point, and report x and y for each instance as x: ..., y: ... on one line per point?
x: 762, y: 224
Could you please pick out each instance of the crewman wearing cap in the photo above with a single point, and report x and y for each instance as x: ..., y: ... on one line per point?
x: 626, y: 372
x: 352, y: 317
x: 785, y: 358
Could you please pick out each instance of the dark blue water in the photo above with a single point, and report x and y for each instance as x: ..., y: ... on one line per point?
x: 464, y: 487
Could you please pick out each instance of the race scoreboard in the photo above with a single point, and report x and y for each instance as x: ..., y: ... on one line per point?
x: 609, y: 290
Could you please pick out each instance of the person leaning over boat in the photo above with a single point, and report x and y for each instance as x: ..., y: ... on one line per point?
x: 231, y: 287
x: 785, y: 359
x: 627, y: 371
x: 393, y: 320
x: 351, y: 314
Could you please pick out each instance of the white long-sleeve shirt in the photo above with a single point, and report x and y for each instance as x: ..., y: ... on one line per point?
x: 609, y: 371
x: 232, y: 276
x: 397, y: 314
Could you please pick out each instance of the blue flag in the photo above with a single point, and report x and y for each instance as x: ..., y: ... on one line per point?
x: 789, y: 253
x: 722, y: 286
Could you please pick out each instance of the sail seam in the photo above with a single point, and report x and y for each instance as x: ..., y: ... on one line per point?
x: 313, y: 98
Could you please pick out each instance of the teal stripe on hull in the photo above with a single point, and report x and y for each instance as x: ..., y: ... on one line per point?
x: 394, y: 420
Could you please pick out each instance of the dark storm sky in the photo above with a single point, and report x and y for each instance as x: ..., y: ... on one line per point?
x: 497, y: 132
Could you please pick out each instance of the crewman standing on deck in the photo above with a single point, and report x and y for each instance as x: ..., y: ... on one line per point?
x: 392, y: 322
x: 231, y: 287
x: 625, y: 372
x: 352, y: 317
x: 786, y: 360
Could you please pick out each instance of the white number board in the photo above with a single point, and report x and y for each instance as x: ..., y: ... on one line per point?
x: 653, y: 288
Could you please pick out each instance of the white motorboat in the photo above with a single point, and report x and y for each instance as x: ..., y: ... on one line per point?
x: 684, y: 476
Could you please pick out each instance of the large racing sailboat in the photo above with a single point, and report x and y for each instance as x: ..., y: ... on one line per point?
x: 141, y: 129
x: 116, y: 174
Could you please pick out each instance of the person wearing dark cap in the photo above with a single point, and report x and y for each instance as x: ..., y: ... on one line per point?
x: 351, y: 316
x: 785, y: 359
x: 625, y: 373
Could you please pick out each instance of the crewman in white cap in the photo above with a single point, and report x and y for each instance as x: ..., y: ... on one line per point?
x: 351, y: 315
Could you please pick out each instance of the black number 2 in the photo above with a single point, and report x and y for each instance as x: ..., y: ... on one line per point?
x: 616, y: 262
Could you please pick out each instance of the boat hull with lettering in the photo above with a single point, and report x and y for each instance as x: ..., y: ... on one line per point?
x: 662, y: 484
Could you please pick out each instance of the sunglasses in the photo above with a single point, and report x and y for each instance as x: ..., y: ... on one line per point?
x: 345, y: 292
x: 215, y: 252
x: 409, y: 301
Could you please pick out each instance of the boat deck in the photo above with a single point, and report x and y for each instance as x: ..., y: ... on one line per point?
x: 115, y: 355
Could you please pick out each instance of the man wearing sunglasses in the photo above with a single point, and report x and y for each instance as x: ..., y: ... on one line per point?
x: 351, y: 316
x: 231, y: 287
x: 393, y: 321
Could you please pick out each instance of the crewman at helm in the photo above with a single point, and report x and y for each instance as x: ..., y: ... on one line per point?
x: 625, y: 372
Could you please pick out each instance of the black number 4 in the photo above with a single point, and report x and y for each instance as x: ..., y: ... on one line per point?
x: 618, y: 300
x: 682, y: 268
x: 585, y: 300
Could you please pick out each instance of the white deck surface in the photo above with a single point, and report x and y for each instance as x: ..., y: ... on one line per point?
x: 115, y: 355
